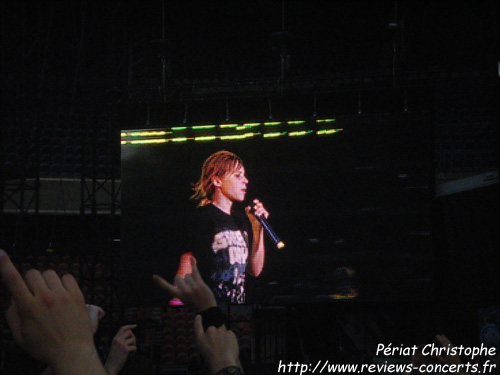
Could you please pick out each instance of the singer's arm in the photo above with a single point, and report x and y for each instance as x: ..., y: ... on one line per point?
x: 257, y: 255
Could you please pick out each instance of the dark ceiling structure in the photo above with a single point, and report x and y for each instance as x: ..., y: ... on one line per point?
x: 77, y: 55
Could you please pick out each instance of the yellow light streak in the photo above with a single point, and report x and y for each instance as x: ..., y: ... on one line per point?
x: 148, y: 141
x: 328, y: 131
x: 274, y: 135
x: 204, y: 139
x: 200, y: 127
x: 299, y: 134
x: 148, y: 134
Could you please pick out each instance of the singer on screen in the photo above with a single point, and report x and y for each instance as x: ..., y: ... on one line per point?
x: 226, y: 242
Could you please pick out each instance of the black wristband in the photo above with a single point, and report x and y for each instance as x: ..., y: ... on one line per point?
x: 231, y: 370
x: 213, y: 316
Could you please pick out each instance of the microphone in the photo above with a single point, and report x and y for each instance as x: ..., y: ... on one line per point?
x: 270, y: 232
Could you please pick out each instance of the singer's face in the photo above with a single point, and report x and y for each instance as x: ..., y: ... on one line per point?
x: 234, y: 185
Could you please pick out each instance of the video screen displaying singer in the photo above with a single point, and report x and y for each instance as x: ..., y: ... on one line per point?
x: 353, y: 207
x: 227, y: 242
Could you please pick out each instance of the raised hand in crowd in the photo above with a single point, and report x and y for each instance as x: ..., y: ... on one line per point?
x: 219, y: 348
x: 419, y: 359
x: 448, y: 359
x: 49, y: 320
x: 190, y: 289
x: 122, y: 346
x: 96, y: 313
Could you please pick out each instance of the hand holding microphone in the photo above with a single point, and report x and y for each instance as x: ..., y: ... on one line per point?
x: 261, y: 214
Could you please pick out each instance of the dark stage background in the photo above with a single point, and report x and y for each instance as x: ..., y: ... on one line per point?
x: 415, y: 87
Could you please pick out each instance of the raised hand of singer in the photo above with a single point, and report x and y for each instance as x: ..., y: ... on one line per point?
x: 256, y: 209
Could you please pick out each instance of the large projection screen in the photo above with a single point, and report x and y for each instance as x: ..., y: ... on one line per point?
x: 354, y: 208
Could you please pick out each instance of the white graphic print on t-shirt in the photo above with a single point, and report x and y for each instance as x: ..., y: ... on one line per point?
x: 231, y: 260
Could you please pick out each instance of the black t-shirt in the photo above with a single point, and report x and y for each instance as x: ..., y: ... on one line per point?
x: 221, y: 245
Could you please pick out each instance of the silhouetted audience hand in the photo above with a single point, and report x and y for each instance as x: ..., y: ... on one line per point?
x: 218, y: 346
x: 96, y: 313
x: 190, y: 289
x: 49, y: 320
x: 123, y: 345
x: 448, y: 359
